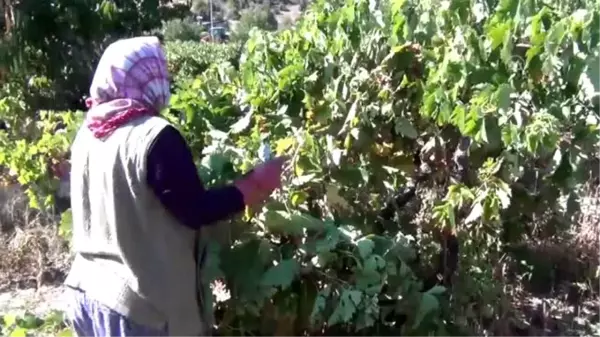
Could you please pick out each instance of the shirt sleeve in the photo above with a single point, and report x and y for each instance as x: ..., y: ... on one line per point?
x: 172, y: 175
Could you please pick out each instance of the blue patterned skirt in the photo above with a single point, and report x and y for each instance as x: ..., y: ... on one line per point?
x: 91, y: 318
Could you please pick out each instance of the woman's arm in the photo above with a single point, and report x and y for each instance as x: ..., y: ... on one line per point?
x: 172, y: 175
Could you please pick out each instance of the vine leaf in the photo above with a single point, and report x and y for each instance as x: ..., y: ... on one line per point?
x: 292, y: 224
x: 19, y: 332
x: 320, y: 303
x: 436, y: 290
x: 349, y: 301
x: 351, y: 115
x: 283, y: 145
x: 66, y: 225
x: 330, y: 240
x: 503, y: 97
x: 405, y: 128
x: 476, y: 213
x: 66, y: 332
x: 301, y: 180
x: 282, y: 274
x: 280, y: 222
x: 9, y: 320
x: 242, y: 124
x: 429, y: 303
x: 365, y: 248
x: 307, y: 221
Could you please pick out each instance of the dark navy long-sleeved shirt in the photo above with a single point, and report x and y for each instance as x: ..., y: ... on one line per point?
x: 172, y: 175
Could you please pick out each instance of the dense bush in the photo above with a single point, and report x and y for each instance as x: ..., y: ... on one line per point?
x: 175, y: 11
x: 182, y: 30
x: 256, y: 16
x: 486, y: 95
x: 29, y: 324
x: 61, y: 42
x: 189, y: 59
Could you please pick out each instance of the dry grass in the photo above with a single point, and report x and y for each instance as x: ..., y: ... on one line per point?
x: 587, y: 238
x: 31, y: 251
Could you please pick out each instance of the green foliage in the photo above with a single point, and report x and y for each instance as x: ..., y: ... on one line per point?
x: 174, y: 11
x: 351, y: 93
x: 63, y: 40
x: 182, y: 30
x: 31, y: 147
x: 65, y: 228
x: 32, y: 325
x: 256, y: 16
x: 38, y: 140
x: 189, y: 59
x: 202, y: 7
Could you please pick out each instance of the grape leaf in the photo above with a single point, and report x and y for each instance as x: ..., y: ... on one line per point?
x: 346, y: 307
x: 9, y: 320
x: 18, y: 332
x: 428, y: 304
x: 242, y: 124
x: 280, y: 222
x: 405, y: 128
x: 282, y: 274
x: 320, y: 303
x: 66, y: 332
x: 365, y: 247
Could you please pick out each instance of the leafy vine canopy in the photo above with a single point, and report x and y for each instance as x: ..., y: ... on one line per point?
x: 351, y: 94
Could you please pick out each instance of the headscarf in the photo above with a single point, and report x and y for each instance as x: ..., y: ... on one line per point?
x: 131, y: 80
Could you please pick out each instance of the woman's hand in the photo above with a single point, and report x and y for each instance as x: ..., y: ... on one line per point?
x: 257, y: 185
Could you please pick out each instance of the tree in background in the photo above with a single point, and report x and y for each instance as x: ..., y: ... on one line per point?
x: 61, y: 41
x: 182, y: 30
x: 259, y: 16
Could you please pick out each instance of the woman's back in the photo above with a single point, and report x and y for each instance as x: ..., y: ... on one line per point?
x: 130, y: 252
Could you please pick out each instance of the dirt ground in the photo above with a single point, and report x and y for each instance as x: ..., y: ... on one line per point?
x: 37, y: 301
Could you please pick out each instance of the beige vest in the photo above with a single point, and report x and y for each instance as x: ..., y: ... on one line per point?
x: 131, y: 254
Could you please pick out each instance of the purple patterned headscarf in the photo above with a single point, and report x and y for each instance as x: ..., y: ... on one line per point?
x: 130, y: 80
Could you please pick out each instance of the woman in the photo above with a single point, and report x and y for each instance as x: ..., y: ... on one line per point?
x: 137, y: 203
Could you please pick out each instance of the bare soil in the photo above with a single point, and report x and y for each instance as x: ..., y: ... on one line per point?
x: 38, y: 301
